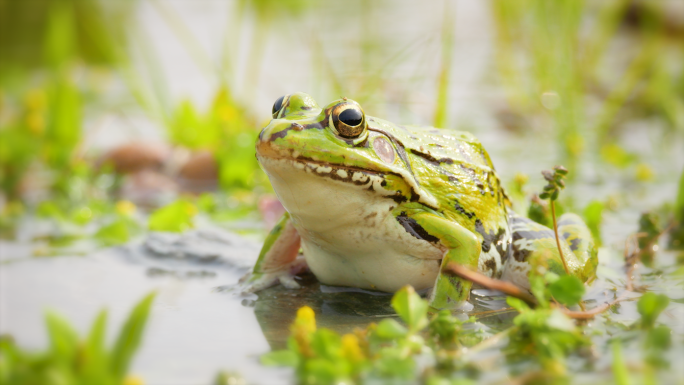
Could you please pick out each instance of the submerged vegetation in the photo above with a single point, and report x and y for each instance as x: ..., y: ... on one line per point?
x: 597, y: 86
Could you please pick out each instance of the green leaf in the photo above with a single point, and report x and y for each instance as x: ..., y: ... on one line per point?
x: 280, y: 358
x: 650, y: 306
x: 517, y: 304
x: 679, y: 203
x: 130, y: 336
x: 538, y: 289
x: 114, y: 233
x: 94, y: 363
x: 390, y: 329
x: 63, y: 338
x: 326, y: 344
x: 659, y: 338
x: 619, y: 368
x: 558, y: 320
x: 175, y: 217
x: 567, y: 290
x: 411, y: 308
x: 593, y: 215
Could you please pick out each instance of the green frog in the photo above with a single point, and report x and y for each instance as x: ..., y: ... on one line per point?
x: 377, y: 205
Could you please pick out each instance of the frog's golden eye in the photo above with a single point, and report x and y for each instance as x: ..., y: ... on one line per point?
x: 278, y: 105
x: 349, y: 120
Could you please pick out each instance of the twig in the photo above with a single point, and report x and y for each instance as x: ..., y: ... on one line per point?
x: 515, y: 291
x: 489, y: 283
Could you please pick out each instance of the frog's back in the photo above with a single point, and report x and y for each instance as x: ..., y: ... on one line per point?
x: 454, y: 167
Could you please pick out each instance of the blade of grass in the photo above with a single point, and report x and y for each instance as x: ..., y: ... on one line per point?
x: 130, y: 336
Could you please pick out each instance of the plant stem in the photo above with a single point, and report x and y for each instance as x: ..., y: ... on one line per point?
x: 555, y: 230
x: 560, y: 252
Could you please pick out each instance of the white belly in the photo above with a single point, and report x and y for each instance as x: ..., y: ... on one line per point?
x: 349, y: 236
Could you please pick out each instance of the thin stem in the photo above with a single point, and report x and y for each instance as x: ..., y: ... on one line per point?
x: 555, y: 230
x: 560, y: 252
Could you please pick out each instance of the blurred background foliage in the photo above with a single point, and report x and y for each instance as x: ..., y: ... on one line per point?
x: 577, y: 77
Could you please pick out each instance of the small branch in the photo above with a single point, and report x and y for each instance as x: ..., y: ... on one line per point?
x: 515, y: 291
x: 489, y: 283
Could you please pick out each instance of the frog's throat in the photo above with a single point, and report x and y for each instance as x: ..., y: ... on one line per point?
x: 370, y: 179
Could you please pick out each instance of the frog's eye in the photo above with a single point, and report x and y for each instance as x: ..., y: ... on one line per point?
x: 349, y: 120
x: 278, y: 105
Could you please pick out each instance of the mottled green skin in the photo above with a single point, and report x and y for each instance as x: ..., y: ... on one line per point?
x: 442, y: 183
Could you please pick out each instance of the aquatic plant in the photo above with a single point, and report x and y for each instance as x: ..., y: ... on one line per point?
x: 73, y: 360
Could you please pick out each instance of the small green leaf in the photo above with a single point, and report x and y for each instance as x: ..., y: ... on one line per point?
x: 567, y: 290
x: 390, y: 329
x: 620, y: 371
x: 114, y: 233
x: 560, y: 321
x: 326, y: 344
x: 411, y: 308
x: 130, y: 336
x: 63, y: 338
x: 280, y: 358
x: 175, y: 217
x: 517, y: 304
x: 659, y: 338
x: 650, y: 306
x: 97, y: 332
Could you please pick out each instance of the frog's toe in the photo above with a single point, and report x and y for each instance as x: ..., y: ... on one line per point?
x: 288, y: 281
x: 284, y: 275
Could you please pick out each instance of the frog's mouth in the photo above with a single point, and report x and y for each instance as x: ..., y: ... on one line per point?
x: 367, y: 179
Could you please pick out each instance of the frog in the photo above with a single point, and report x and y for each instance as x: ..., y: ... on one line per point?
x: 375, y: 205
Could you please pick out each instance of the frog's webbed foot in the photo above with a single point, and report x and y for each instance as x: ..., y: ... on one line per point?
x: 253, y: 282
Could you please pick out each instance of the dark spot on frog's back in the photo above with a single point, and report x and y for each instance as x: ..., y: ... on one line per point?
x: 412, y: 227
x: 490, y: 264
x: 491, y: 238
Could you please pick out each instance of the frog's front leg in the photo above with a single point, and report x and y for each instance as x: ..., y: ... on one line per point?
x: 278, y: 261
x: 462, y: 246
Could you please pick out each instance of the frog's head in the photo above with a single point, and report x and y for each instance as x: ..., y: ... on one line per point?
x: 306, y: 146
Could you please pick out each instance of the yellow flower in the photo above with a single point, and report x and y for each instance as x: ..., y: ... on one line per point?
x: 133, y: 380
x: 35, y: 100
x: 351, y: 349
x: 35, y: 123
x: 306, y: 320
x: 644, y: 173
x: 302, y: 328
x: 126, y: 208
